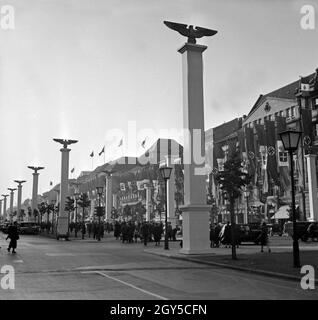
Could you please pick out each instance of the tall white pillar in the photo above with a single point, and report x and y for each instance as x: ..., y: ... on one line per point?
x: 11, y: 201
x: 148, y: 200
x: 34, y: 203
x: 108, y: 196
x: 5, y: 206
x: 62, y: 224
x: 195, y: 212
x: 312, y: 187
x: 19, y: 182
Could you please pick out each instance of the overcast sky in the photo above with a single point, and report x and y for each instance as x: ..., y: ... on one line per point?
x: 79, y: 68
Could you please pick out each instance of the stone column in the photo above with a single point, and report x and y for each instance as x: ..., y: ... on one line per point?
x: 108, y: 196
x: 62, y: 224
x: 312, y: 187
x: 34, y: 203
x: 195, y: 212
x: 148, y: 200
x: 11, y: 202
x: 19, y: 217
x: 5, y: 206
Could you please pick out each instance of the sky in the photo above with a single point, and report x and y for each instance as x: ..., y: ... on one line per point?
x: 86, y: 69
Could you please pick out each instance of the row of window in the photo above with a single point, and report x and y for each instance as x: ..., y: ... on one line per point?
x: 288, y: 113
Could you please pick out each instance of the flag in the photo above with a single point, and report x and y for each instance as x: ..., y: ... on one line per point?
x: 72, y: 170
x: 263, y: 153
x: 103, y: 150
x: 283, y: 166
x: 306, y: 127
x: 260, y: 132
x: 250, y: 149
x: 271, y: 151
x: 143, y: 143
x: 92, y: 154
x: 120, y: 142
x: 240, y: 136
x: 280, y: 126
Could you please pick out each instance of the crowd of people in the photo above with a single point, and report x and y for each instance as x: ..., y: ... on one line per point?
x: 129, y: 232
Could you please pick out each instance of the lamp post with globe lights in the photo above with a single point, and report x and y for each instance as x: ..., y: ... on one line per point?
x: 290, y: 139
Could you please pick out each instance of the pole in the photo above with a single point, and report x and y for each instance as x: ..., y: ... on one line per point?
x: 83, y: 223
x: 166, y: 219
x: 295, y: 236
x: 75, y: 218
x: 99, y: 217
x: 232, y: 228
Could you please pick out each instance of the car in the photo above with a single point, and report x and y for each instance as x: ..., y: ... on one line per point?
x: 275, y: 228
x: 5, y: 227
x: 28, y: 228
x: 249, y: 232
x: 302, y: 229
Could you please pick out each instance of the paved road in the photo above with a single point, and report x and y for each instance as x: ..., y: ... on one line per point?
x: 50, y: 269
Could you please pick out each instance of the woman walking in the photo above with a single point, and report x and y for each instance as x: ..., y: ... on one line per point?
x: 13, y: 236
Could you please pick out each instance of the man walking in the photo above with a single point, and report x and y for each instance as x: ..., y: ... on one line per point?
x: 13, y: 236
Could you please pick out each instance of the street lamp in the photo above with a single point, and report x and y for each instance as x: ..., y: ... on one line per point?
x: 99, y: 211
x: 290, y: 141
x: 76, y: 195
x: 165, y: 173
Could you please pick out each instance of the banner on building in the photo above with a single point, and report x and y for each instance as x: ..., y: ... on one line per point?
x: 271, y: 151
x: 250, y: 149
x: 306, y: 128
x: 283, y: 167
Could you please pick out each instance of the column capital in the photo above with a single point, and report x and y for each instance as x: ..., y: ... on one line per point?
x: 65, y: 150
x: 311, y: 155
x: 192, y: 47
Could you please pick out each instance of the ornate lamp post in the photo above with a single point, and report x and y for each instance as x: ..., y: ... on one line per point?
x: 99, y: 211
x: 165, y: 173
x: 290, y: 141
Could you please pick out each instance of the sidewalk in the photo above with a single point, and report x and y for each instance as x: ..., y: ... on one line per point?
x: 278, y: 263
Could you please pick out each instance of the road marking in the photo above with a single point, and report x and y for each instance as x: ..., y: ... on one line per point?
x: 127, y: 284
x: 18, y: 261
x: 59, y: 254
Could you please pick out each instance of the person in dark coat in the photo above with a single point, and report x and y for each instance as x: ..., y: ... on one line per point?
x: 117, y: 230
x: 89, y: 229
x: 217, y: 231
x: 226, y: 236
x: 263, y: 237
x: 157, y: 233
x: 13, y: 236
x: 145, y: 232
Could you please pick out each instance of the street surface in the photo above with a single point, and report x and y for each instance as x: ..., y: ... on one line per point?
x: 86, y: 269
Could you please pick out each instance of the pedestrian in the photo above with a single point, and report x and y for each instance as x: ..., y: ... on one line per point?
x: 89, y: 229
x: 226, y: 235
x: 145, y: 232
x: 263, y: 237
x: 13, y: 236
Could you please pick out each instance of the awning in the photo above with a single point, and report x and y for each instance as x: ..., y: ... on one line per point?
x: 282, y: 213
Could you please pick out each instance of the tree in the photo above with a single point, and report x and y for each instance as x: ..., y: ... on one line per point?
x: 232, y: 180
x: 42, y: 210
x: 83, y: 202
x: 69, y: 206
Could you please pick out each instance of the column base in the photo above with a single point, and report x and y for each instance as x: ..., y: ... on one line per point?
x: 196, y: 229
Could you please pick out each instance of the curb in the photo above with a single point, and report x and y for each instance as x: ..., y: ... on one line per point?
x: 228, y: 266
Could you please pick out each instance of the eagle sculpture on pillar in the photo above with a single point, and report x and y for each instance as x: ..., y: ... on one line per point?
x: 189, y: 31
x: 65, y: 142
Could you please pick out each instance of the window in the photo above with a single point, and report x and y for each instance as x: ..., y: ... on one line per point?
x: 270, y: 117
x: 281, y: 113
x: 292, y: 111
x: 287, y: 113
x: 259, y: 121
x: 283, y: 156
x: 276, y: 114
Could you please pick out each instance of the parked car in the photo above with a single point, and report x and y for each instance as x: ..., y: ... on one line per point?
x: 28, y: 228
x: 5, y: 227
x: 275, y: 228
x: 249, y: 232
x: 302, y: 229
